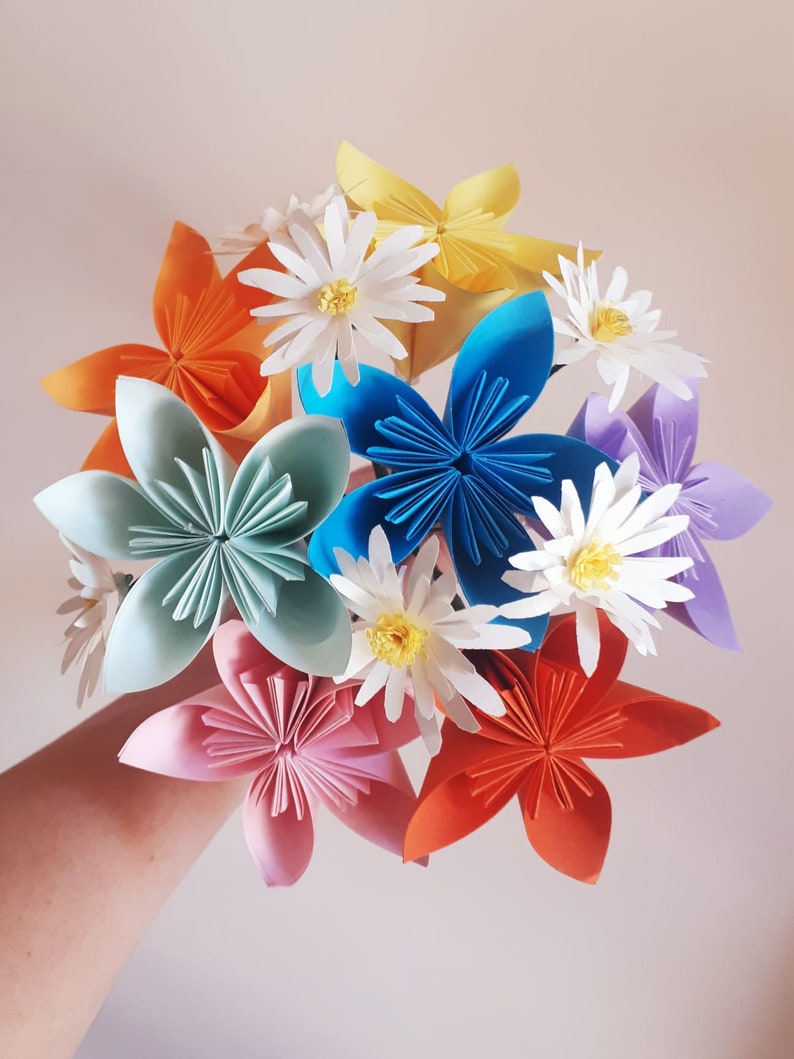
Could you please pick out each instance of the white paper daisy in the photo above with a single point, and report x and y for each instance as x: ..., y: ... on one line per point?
x: 408, y: 638
x: 621, y: 330
x: 334, y: 296
x: 273, y: 223
x: 593, y: 564
x: 100, y: 591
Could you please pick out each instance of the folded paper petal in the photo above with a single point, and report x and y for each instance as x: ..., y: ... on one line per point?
x: 171, y: 742
x: 281, y: 845
x: 146, y: 645
x: 736, y: 505
x: 89, y: 384
x: 381, y: 815
x: 575, y: 840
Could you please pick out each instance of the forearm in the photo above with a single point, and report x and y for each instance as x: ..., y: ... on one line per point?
x: 89, y: 851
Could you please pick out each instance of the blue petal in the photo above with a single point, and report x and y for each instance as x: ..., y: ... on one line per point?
x: 515, y: 342
x: 376, y: 396
x: 482, y: 582
x: 349, y: 525
x: 569, y: 458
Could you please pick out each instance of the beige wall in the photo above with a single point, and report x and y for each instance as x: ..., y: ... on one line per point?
x: 661, y: 132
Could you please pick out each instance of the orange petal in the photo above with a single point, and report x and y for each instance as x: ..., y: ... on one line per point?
x: 560, y: 646
x: 574, y: 841
x: 188, y: 269
x: 654, y: 722
x: 107, y: 454
x: 89, y: 385
x: 447, y: 809
x: 273, y: 407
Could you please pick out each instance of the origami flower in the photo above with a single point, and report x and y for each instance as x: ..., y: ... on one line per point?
x: 335, y: 296
x: 274, y: 223
x: 302, y: 740
x: 622, y: 331
x: 479, y: 265
x: 100, y: 591
x: 593, y: 562
x: 410, y: 635
x: 462, y: 471
x: 721, y: 504
x: 555, y: 717
x: 211, y: 360
x: 223, y: 535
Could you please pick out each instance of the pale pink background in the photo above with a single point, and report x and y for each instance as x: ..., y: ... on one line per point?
x: 658, y: 131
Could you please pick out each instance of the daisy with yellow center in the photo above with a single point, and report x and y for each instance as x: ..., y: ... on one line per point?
x: 620, y: 330
x: 598, y: 562
x: 337, y: 290
x: 408, y: 638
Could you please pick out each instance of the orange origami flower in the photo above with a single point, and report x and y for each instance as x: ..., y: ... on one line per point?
x: 211, y: 360
x: 556, y: 716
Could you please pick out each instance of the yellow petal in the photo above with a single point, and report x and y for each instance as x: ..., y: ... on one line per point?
x: 373, y: 187
x: 494, y: 193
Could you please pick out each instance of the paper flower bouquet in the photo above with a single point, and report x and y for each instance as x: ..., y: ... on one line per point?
x: 470, y: 582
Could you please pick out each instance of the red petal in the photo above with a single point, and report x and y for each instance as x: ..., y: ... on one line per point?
x: 654, y: 722
x: 574, y: 841
x: 447, y: 809
x: 560, y: 646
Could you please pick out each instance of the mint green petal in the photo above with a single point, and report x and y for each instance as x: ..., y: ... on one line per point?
x: 310, y: 629
x: 314, y: 452
x: 155, y: 428
x: 146, y: 646
x: 95, y: 510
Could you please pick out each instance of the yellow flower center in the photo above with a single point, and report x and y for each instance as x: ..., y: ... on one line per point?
x: 594, y: 566
x: 337, y: 297
x: 608, y: 323
x: 395, y: 640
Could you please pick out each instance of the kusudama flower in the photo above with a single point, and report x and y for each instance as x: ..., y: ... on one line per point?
x: 301, y: 740
x: 721, y: 503
x: 335, y: 293
x: 554, y: 718
x: 222, y: 537
x: 461, y: 472
x: 211, y: 357
x: 594, y: 562
x: 99, y: 592
x: 409, y: 636
x: 621, y: 331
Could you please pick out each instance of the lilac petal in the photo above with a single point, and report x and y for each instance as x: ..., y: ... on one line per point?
x: 382, y: 815
x: 171, y: 742
x: 615, y: 434
x: 735, y: 505
x: 707, y: 613
x: 281, y: 845
x: 659, y: 406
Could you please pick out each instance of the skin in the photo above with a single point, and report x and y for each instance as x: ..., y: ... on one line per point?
x: 89, y: 851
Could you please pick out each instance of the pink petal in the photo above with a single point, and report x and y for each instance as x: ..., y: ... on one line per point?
x: 382, y: 815
x: 281, y: 845
x: 171, y: 742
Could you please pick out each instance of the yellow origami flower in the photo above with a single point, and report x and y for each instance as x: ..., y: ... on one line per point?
x: 479, y: 265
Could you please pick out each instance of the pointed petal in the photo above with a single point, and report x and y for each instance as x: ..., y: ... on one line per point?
x: 187, y: 270
x: 281, y: 845
x: 107, y: 454
x: 496, y: 191
x: 310, y: 629
x: 89, y: 385
x: 146, y: 646
x: 735, y: 505
x: 653, y: 722
x: 382, y: 815
x: 95, y: 509
x: 171, y: 742
x: 447, y: 809
x: 515, y: 342
x: 707, y: 612
x: 574, y: 841
x: 373, y: 187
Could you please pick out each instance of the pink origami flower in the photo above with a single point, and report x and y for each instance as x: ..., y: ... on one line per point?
x: 304, y: 742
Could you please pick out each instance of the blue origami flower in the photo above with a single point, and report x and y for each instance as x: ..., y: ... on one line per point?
x: 222, y: 537
x: 461, y: 471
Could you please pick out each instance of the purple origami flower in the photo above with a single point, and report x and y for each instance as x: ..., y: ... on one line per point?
x: 721, y: 503
x: 303, y: 741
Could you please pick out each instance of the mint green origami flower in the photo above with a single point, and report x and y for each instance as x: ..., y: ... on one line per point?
x: 223, y: 537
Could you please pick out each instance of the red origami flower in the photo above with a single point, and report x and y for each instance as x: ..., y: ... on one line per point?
x: 556, y: 717
x: 211, y: 360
